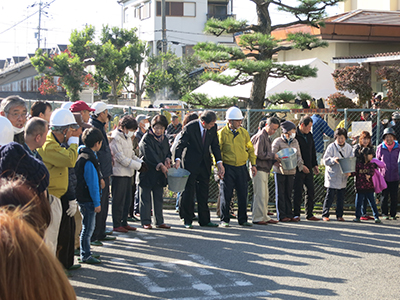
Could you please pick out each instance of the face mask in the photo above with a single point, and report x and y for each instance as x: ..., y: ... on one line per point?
x: 293, y: 135
x: 146, y: 126
x: 18, y: 130
x: 129, y: 134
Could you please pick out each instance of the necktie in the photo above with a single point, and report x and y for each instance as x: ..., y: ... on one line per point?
x: 204, y: 135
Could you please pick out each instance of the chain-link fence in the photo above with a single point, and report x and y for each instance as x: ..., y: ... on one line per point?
x: 324, y: 124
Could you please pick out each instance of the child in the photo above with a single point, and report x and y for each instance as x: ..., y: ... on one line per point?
x: 335, y: 180
x: 364, y: 185
x: 88, y: 189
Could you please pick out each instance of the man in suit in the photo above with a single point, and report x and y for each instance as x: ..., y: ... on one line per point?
x: 198, y: 137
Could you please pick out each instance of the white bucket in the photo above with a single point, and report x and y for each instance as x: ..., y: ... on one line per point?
x: 177, y: 179
x: 348, y: 164
x: 288, y: 158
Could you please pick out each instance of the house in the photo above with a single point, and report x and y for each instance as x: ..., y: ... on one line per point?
x: 185, y: 21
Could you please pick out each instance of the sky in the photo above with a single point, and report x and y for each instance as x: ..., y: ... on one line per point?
x: 19, y: 21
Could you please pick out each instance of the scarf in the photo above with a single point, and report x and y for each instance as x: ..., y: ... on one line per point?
x: 389, y: 147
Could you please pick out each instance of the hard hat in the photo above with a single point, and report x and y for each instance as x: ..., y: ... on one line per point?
x: 234, y: 113
x: 7, y: 131
x: 67, y: 105
x: 396, y: 115
x: 99, y: 107
x: 388, y: 131
x: 63, y: 117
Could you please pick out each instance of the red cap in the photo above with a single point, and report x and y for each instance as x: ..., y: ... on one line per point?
x: 79, y: 106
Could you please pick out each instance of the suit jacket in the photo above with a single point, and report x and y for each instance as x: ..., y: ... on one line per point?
x: 196, y: 152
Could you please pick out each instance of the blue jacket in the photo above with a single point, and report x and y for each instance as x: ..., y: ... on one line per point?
x: 319, y: 128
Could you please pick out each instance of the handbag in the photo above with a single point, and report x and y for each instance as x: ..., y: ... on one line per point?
x: 378, y: 181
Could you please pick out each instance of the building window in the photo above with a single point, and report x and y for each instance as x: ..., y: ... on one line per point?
x: 126, y: 15
x: 177, y: 9
x: 142, y: 11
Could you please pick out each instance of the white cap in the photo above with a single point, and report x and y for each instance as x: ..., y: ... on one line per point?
x: 99, y: 107
x: 7, y: 131
x: 67, y: 105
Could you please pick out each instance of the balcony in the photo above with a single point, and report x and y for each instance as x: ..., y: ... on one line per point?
x: 220, y: 16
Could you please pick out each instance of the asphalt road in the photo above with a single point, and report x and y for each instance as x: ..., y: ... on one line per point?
x: 305, y: 260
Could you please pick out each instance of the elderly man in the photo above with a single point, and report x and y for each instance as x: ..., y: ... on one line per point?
x: 265, y: 159
x: 143, y: 125
x: 14, y: 108
x: 36, y: 130
x: 305, y: 177
x: 98, y: 119
x: 236, y: 149
x: 82, y: 108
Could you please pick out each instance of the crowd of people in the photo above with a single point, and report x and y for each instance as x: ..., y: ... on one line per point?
x: 57, y: 168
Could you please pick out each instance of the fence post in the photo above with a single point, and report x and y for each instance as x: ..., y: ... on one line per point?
x: 345, y: 118
x: 378, y: 127
x: 129, y: 110
x: 248, y: 120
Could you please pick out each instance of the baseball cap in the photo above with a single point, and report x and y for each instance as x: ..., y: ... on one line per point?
x: 141, y: 117
x: 99, y: 107
x: 79, y: 106
x: 78, y: 119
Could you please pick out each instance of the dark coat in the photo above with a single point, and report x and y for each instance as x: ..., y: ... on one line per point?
x: 152, y: 152
x: 196, y: 152
x: 307, y: 148
x: 104, y: 154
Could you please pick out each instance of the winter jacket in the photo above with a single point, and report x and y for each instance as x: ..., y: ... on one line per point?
x: 236, y: 149
x: 357, y: 153
x: 20, y: 138
x: 87, y: 169
x: 125, y: 161
x: 319, y: 128
x: 391, y: 172
x: 153, y: 152
x: 104, y: 154
x: 281, y: 143
x: 263, y: 150
x: 364, y: 184
x: 307, y: 148
x: 334, y: 178
x: 57, y: 160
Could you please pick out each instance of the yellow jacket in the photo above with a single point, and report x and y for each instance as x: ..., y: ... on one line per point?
x: 236, y: 151
x: 57, y: 160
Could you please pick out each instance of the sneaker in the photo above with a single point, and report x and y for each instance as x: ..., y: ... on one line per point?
x: 393, y: 218
x: 224, y: 224
x: 357, y: 220
x: 232, y: 216
x: 121, y: 229
x: 96, y: 243
x: 91, y: 260
x: 74, y: 267
x: 247, y: 224
x: 370, y: 218
x: 326, y: 219
x: 189, y: 226
x: 378, y: 221
x: 364, y: 218
x: 385, y: 217
x: 108, y: 232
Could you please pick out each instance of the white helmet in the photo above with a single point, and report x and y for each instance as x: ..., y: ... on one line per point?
x: 7, y: 132
x: 67, y: 105
x: 99, y: 107
x: 63, y: 117
x: 234, y: 113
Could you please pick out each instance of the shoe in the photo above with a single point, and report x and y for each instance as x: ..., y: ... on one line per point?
x: 95, y: 255
x: 129, y: 228
x: 77, y: 252
x: 91, y: 260
x: 260, y: 223
x: 210, y: 225
x: 96, y: 243
x: 356, y: 220
x: 224, y: 224
x: 108, y: 232
x: 132, y: 219
x: 74, y: 267
x: 378, y: 221
x: 232, y: 216
x: 121, y: 229
x: 370, y: 218
x: 164, y: 226
x: 313, y: 219
x: 195, y: 218
x: 385, y: 217
x: 270, y: 213
x: 137, y: 215
x: 189, y: 226
x: 326, y: 219
x: 364, y: 218
x: 393, y: 218
x: 272, y: 222
x: 108, y: 238
x: 247, y: 224
x: 295, y: 219
x: 340, y: 219
x: 147, y: 226
x: 285, y: 220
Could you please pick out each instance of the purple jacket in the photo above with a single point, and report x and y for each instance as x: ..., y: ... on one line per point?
x: 391, y: 172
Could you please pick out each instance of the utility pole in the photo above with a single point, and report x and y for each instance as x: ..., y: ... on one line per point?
x: 164, y: 27
x: 39, y: 26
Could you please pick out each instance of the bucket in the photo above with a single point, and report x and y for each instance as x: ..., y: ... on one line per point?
x: 288, y: 158
x: 347, y: 165
x: 177, y: 179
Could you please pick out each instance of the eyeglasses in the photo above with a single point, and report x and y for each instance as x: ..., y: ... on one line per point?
x: 17, y: 115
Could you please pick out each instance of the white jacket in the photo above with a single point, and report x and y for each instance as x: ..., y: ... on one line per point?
x: 125, y: 162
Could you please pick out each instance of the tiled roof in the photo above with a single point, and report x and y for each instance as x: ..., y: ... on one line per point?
x: 388, y: 54
x: 368, y: 17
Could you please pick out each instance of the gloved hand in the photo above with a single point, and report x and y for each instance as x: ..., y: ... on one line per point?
x: 143, y: 168
x: 73, y: 140
x: 73, y: 206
